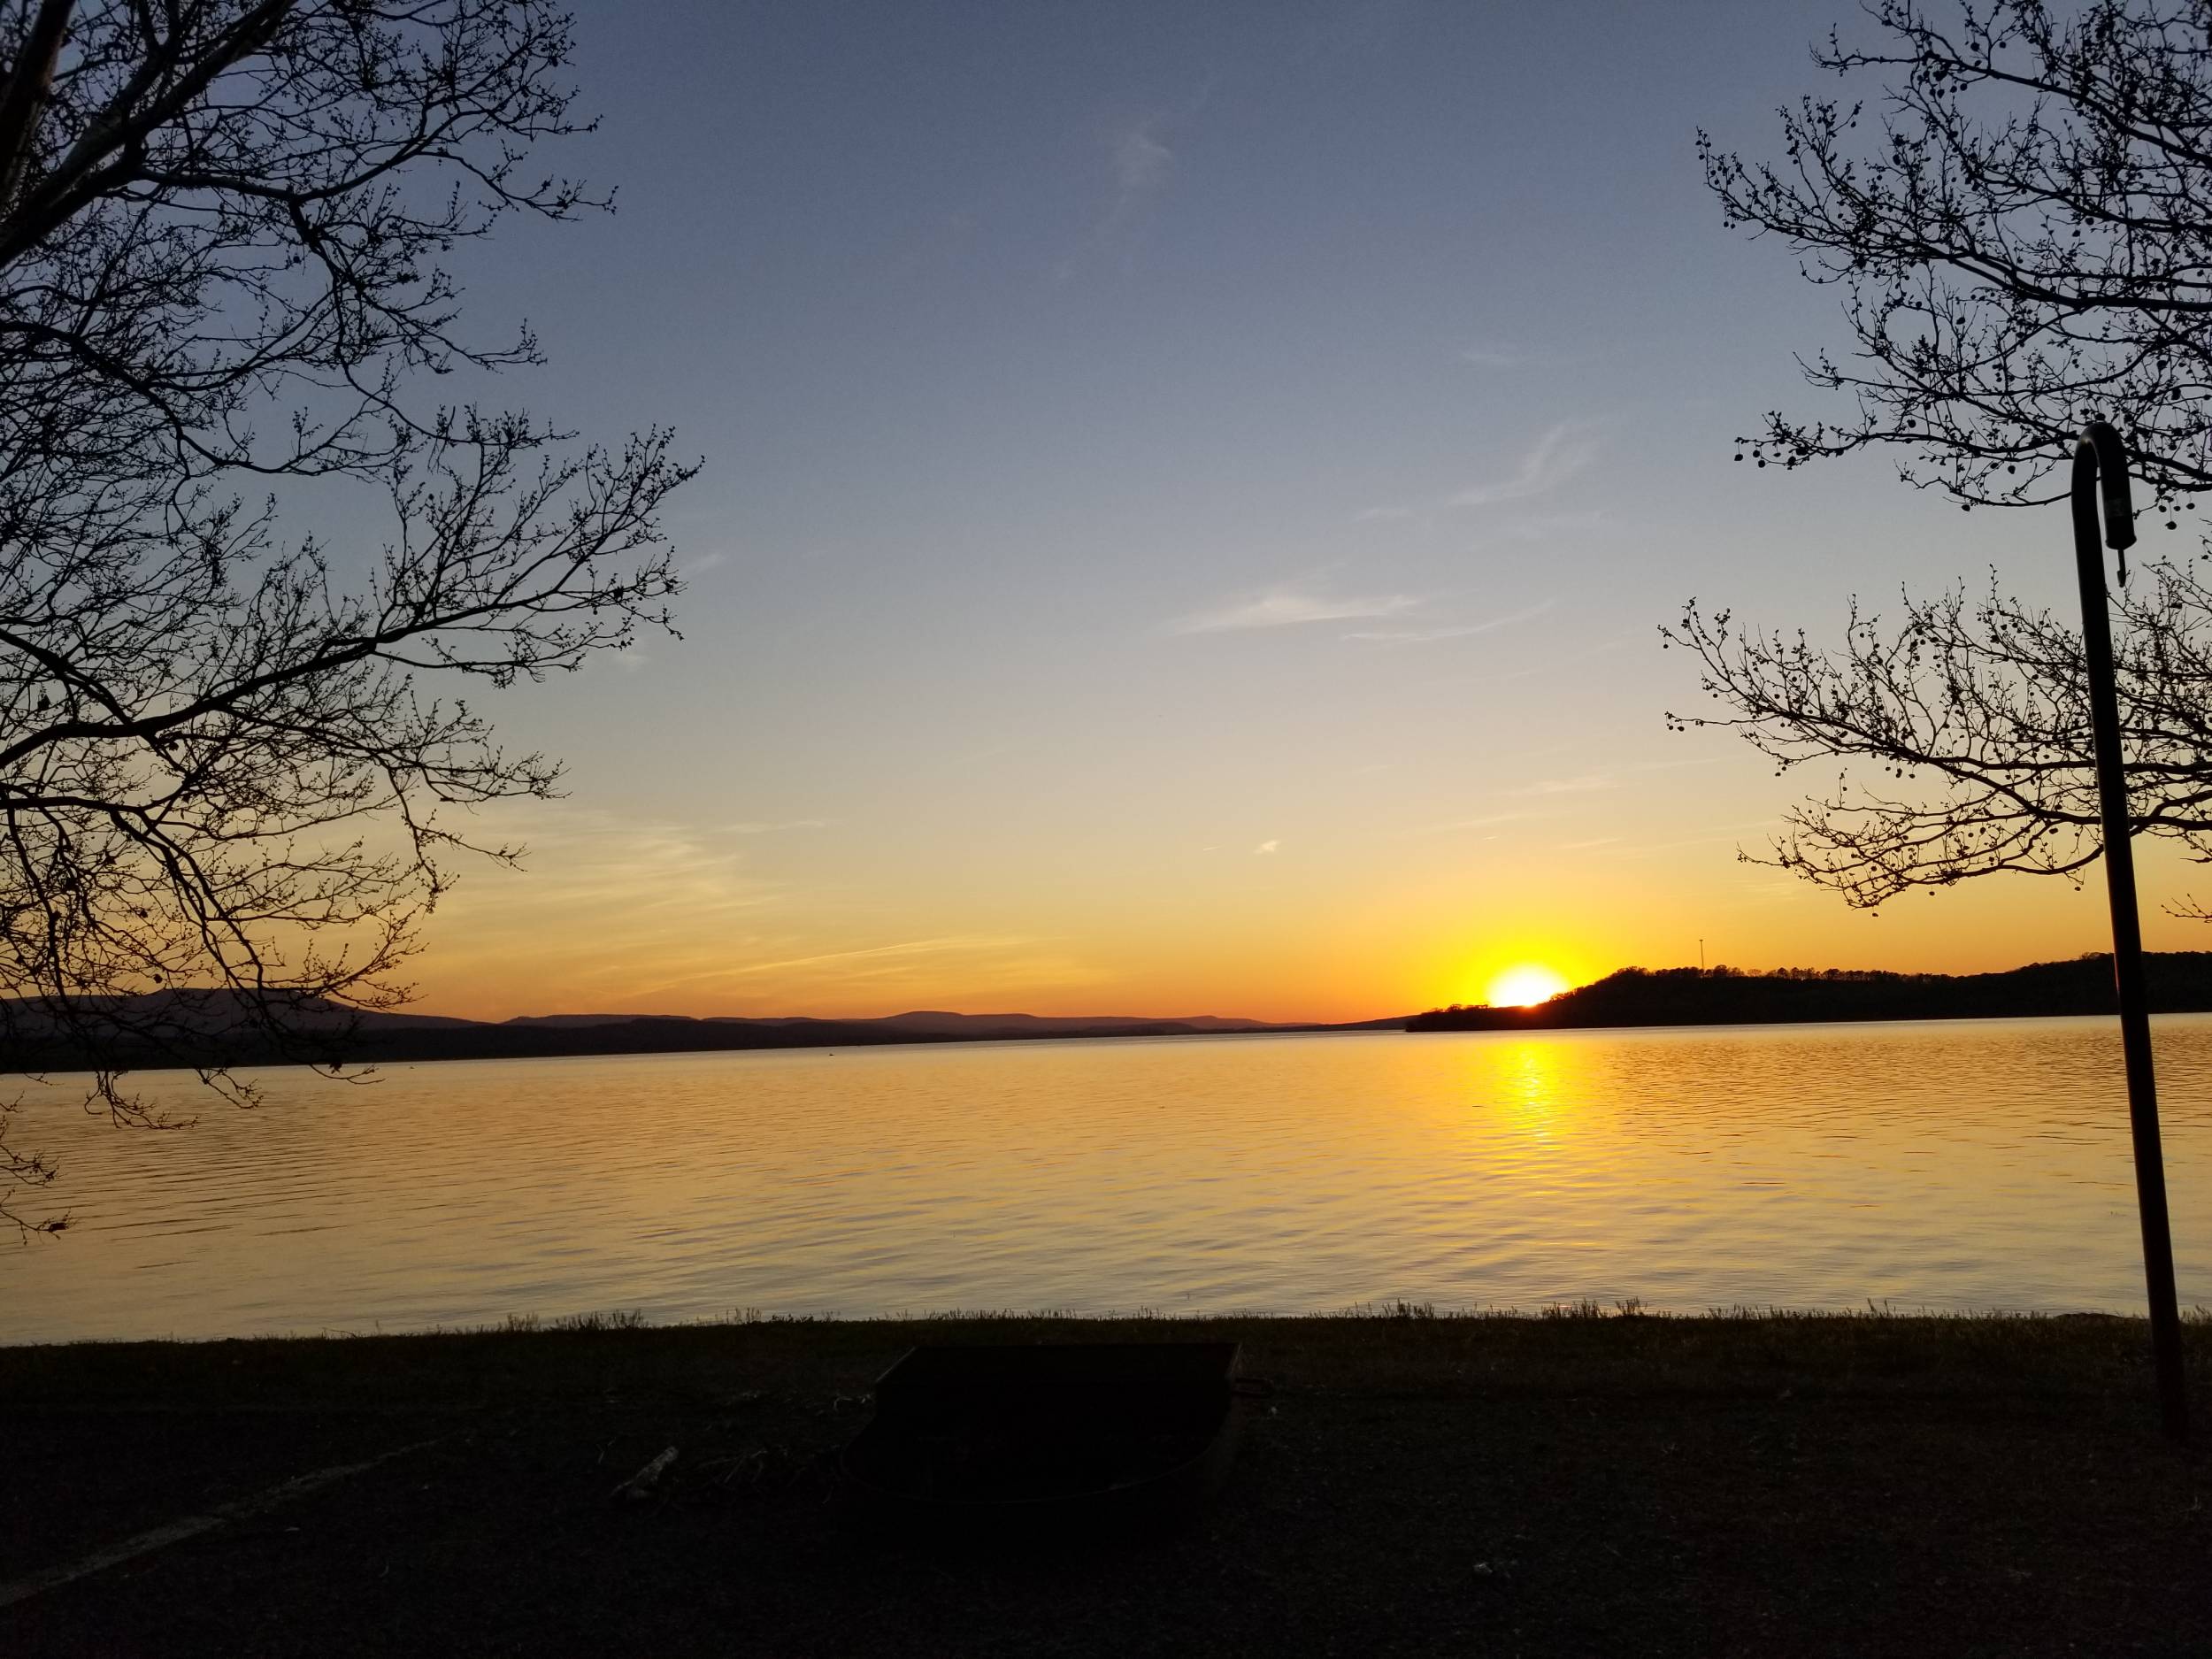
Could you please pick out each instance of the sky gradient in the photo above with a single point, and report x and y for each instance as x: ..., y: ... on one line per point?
x: 1190, y: 497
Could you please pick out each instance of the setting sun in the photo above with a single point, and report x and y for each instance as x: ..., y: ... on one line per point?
x: 1524, y: 984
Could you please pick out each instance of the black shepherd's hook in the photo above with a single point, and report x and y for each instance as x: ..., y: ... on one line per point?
x: 2101, y: 458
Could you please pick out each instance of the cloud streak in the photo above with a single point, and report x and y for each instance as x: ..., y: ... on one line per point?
x: 1564, y: 451
x: 1139, y: 167
x: 1284, y: 608
x: 949, y: 944
x: 1429, y: 636
x: 1141, y: 162
x: 607, y: 900
x: 1488, y: 820
x: 1588, y: 783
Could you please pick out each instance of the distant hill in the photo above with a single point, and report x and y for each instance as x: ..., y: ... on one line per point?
x: 211, y: 1028
x: 937, y: 1022
x: 561, y: 1020
x: 2179, y: 981
x: 212, y: 1013
x: 1055, y: 1024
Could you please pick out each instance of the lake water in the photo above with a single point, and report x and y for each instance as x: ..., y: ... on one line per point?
x: 1955, y: 1166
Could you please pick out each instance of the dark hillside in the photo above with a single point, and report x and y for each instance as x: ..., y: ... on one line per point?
x: 2180, y: 981
x: 211, y: 1028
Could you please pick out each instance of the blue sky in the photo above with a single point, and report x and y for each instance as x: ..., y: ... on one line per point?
x: 1190, y: 496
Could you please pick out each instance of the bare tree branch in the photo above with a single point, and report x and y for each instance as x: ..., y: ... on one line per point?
x: 222, y: 778
x: 2017, y: 223
x: 2020, y: 223
x: 1974, y: 720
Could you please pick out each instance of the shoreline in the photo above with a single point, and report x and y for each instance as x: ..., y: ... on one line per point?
x: 832, y: 1051
x: 1059, y: 1324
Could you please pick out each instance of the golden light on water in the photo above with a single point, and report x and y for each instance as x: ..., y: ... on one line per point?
x: 1524, y: 984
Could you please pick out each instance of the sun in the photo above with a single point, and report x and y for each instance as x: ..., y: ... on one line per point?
x: 1524, y: 984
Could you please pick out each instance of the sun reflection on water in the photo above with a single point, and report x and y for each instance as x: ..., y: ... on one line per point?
x: 1525, y: 1083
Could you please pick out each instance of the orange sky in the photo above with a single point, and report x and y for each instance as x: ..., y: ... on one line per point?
x: 678, y: 925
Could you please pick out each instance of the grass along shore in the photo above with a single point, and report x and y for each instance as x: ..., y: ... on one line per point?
x: 1568, y: 1484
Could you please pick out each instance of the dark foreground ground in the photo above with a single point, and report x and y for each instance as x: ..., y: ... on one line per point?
x: 1469, y: 1487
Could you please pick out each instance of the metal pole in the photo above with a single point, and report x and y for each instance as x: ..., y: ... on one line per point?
x: 2100, y: 451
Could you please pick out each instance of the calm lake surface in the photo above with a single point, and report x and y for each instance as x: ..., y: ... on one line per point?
x: 1955, y: 1166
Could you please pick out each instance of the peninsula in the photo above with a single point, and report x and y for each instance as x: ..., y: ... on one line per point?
x: 2180, y: 981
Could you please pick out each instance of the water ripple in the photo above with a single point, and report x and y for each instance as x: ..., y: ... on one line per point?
x: 1969, y: 1164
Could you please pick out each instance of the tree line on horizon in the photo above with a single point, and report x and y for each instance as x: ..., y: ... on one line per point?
x: 2180, y: 981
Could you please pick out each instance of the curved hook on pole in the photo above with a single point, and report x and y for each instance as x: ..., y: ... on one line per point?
x: 2100, y: 457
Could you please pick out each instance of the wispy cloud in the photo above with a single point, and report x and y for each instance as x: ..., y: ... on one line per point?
x: 1548, y: 668
x: 1543, y: 527
x: 1588, y: 783
x: 1141, y: 163
x: 762, y: 827
x: 1285, y: 608
x: 946, y: 945
x: 1491, y: 357
x: 1562, y: 451
x: 604, y: 901
x: 1714, y: 835
x: 1556, y: 456
x: 904, y: 969
x: 1269, y: 847
x: 1677, y: 765
x: 1488, y: 820
x: 617, y: 914
x: 1427, y: 636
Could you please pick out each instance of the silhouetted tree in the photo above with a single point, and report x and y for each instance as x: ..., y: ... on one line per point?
x: 2021, y: 233
x: 221, y: 773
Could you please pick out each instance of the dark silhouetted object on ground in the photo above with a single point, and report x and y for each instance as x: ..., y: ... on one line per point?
x: 1039, y: 1444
